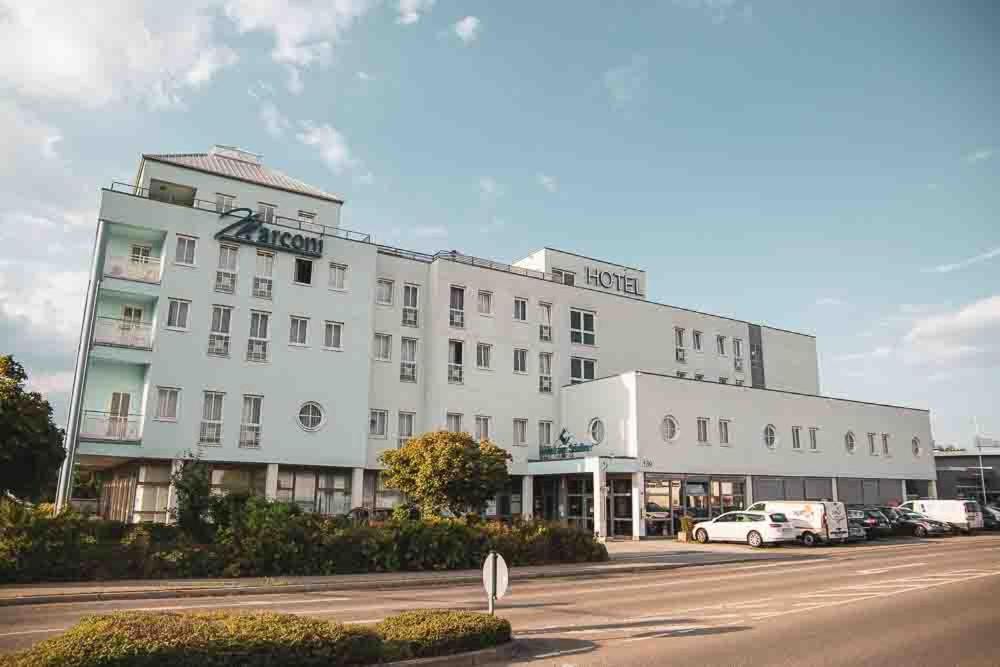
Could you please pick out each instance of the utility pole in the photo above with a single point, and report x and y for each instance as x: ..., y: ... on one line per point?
x: 979, y: 447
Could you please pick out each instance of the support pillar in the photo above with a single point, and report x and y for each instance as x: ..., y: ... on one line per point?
x: 600, y: 501
x: 357, y: 487
x: 932, y: 491
x: 748, y: 491
x: 902, y: 497
x: 563, y: 507
x: 528, y: 497
x: 638, y: 505
x: 271, y: 482
x: 836, y: 491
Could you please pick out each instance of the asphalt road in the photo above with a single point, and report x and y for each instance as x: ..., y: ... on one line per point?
x: 932, y: 602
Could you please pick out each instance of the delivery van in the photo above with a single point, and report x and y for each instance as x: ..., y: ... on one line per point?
x: 820, y: 521
x: 965, y: 515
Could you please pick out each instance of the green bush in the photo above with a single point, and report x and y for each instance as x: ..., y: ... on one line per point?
x: 154, y: 639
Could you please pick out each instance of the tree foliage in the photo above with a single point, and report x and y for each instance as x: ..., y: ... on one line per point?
x: 31, y: 445
x: 193, y: 484
x: 441, y: 470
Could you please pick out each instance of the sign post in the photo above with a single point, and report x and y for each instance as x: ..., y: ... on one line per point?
x: 495, y: 578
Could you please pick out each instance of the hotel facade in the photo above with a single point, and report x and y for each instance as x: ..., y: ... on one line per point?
x: 229, y: 313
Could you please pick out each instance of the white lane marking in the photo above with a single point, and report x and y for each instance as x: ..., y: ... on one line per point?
x: 880, y: 570
x: 566, y: 652
x: 254, y: 603
x: 663, y: 630
x: 32, y: 632
x: 834, y: 595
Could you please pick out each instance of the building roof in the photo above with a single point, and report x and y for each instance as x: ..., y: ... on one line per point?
x: 242, y: 166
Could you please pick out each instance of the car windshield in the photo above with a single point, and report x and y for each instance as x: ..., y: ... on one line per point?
x: 971, y: 507
x: 875, y: 514
x: 779, y: 518
x: 915, y: 516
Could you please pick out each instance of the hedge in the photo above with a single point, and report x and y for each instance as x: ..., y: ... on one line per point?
x: 155, y: 639
x: 271, y: 540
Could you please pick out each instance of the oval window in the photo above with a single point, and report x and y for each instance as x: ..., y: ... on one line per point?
x: 310, y: 416
x: 669, y: 428
x: 916, y: 446
x: 849, y: 443
x: 770, y: 436
x: 596, y: 431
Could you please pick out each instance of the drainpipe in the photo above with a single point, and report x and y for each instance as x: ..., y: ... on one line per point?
x: 64, y: 490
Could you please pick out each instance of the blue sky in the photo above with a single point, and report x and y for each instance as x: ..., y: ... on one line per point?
x: 824, y: 167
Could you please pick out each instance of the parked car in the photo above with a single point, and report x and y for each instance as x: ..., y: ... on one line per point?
x: 875, y: 522
x: 991, y: 518
x: 856, y: 531
x: 962, y: 514
x: 753, y: 528
x: 820, y: 521
x: 921, y: 525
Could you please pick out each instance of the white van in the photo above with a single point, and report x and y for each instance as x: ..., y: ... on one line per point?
x: 820, y: 521
x: 965, y: 515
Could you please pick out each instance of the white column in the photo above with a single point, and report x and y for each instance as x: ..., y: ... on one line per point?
x: 271, y: 482
x: 528, y: 497
x: 833, y: 485
x: 600, y: 498
x: 638, y: 505
x: 902, y: 497
x: 932, y: 489
x: 563, y: 499
x: 357, y: 487
x: 748, y: 491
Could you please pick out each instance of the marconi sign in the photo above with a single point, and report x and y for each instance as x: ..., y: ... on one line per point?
x: 608, y: 280
x: 250, y: 229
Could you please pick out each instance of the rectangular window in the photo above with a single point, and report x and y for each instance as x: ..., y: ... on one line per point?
x: 564, y: 277
x: 383, y: 347
x: 377, y: 420
x: 166, y: 403
x: 723, y: 431
x: 260, y: 331
x: 338, y: 276
x: 885, y: 444
x: 218, y: 337
x: 797, y: 438
x: 739, y: 383
x: 333, y: 333
x: 678, y: 336
x: 545, y: 319
x: 225, y: 274
x: 454, y: 422
x: 263, y: 280
x: 139, y: 254
x: 813, y: 439
x: 298, y: 334
x: 210, y: 432
x: 738, y: 348
x: 265, y: 212
x: 177, y: 313
x: 545, y: 372
x: 411, y: 309
x: 185, y: 250
x: 307, y: 216
x: 720, y: 345
x: 520, y: 309
x: 405, y: 427
x: 484, y: 302
x: 520, y: 361
x: 682, y: 374
x: 383, y: 292
x: 871, y: 445
x: 482, y: 428
x: 408, y: 360
x: 223, y: 203
x: 723, y: 379
x: 702, y: 429
x: 581, y: 327
x: 520, y: 432
x: 303, y: 271
x: 581, y: 370
x: 456, y: 350
x: 456, y: 312
x: 544, y: 433
x: 696, y: 340
x: 699, y: 376
x: 484, y: 354
x: 250, y: 422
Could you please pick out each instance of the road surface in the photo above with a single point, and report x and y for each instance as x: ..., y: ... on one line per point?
x: 931, y: 602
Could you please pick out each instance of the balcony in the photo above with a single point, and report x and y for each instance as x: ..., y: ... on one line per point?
x: 455, y: 373
x: 123, y: 333
x: 457, y: 318
x: 141, y: 269
x: 250, y: 436
x: 108, y: 426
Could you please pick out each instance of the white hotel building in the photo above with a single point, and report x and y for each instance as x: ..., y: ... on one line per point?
x: 290, y: 352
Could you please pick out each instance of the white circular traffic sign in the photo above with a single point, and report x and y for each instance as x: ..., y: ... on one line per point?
x: 495, y: 576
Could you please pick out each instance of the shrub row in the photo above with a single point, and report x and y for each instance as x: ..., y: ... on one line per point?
x: 154, y: 639
x: 270, y: 539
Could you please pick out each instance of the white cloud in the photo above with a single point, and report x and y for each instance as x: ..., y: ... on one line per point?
x: 295, y: 85
x: 829, y: 301
x: 365, y: 76
x: 274, y: 121
x: 979, y: 155
x: 95, y: 52
x: 975, y: 259
x: 489, y: 188
x: 547, y: 182
x: 624, y: 83
x: 468, y: 29
x: 967, y: 336
x: 410, y: 10
x: 333, y: 149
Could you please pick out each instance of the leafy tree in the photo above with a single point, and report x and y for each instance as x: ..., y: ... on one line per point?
x: 441, y: 470
x: 31, y: 445
x: 193, y: 484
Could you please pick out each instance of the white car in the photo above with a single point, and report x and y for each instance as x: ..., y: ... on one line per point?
x: 753, y: 528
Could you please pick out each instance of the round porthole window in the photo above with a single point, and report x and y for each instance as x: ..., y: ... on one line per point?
x: 770, y: 436
x: 310, y: 416
x: 849, y: 443
x: 669, y: 428
x: 596, y: 431
x: 915, y: 443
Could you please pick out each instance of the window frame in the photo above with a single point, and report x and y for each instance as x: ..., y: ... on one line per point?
x: 414, y: 310
x: 489, y: 356
x: 523, y: 303
x: 447, y: 421
x: 301, y: 261
x: 245, y: 425
x: 480, y: 421
x: 582, y: 331
x: 724, y: 432
x: 159, y: 403
x: 319, y: 424
x: 220, y: 420
x: 584, y: 362
x: 333, y: 325
x: 332, y: 268
x: 674, y: 424
x: 701, y: 436
x: 266, y: 212
x: 522, y: 353
x: 696, y: 341
x: 401, y: 437
x: 850, y: 442
x: 720, y: 345
x: 375, y: 346
x: 521, y: 422
x: 385, y: 282
x: 545, y: 424
x: 194, y: 249
x: 813, y: 438
x: 410, y: 364
x: 187, y: 313
x: 376, y: 413
x: 304, y: 325
x: 770, y: 437
x: 261, y: 315
x: 796, y: 438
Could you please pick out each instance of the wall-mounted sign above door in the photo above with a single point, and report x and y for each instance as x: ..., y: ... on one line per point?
x: 250, y: 229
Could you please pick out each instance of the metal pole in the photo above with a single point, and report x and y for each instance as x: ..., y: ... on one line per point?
x: 493, y: 579
x: 982, y: 473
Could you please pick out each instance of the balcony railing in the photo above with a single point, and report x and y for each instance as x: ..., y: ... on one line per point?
x: 143, y: 269
x: 681, y: 355
x: 410, y: 318
x: 545, y: 384
x: 257, y: 350
x: 457, y: 318
x: 408, y: 371
x: 123, y: 333
x: 455, y: 373
x: 738, y: 364
x: 250, y: 436
x: 218, y: 344
x: 225, y: 281
x: 262, y: 287
x: 210, y: 433
x: 109, y: 426
x: 545, y: 333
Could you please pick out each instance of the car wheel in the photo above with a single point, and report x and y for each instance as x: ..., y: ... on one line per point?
x: 920, y: 531
x: 809, y: 539
x: 701, y: 536
x: 754, y: 539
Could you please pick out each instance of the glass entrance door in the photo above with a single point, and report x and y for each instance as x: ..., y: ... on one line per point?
x: 620, y: 507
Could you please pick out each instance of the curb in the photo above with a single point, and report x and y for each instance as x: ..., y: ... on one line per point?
x: 484, y: 656
x: 226, y: 590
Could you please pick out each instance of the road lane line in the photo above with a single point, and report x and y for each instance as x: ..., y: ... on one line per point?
x: 262, y: 603
x: 32, y: 632
x: 880, y: 570
x: 553, y: 654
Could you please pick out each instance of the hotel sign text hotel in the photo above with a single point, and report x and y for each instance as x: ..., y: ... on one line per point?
x: 250, y: 229
x: 608, y: 280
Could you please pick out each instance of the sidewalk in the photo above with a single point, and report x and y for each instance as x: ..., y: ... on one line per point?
x: 626, y: 558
